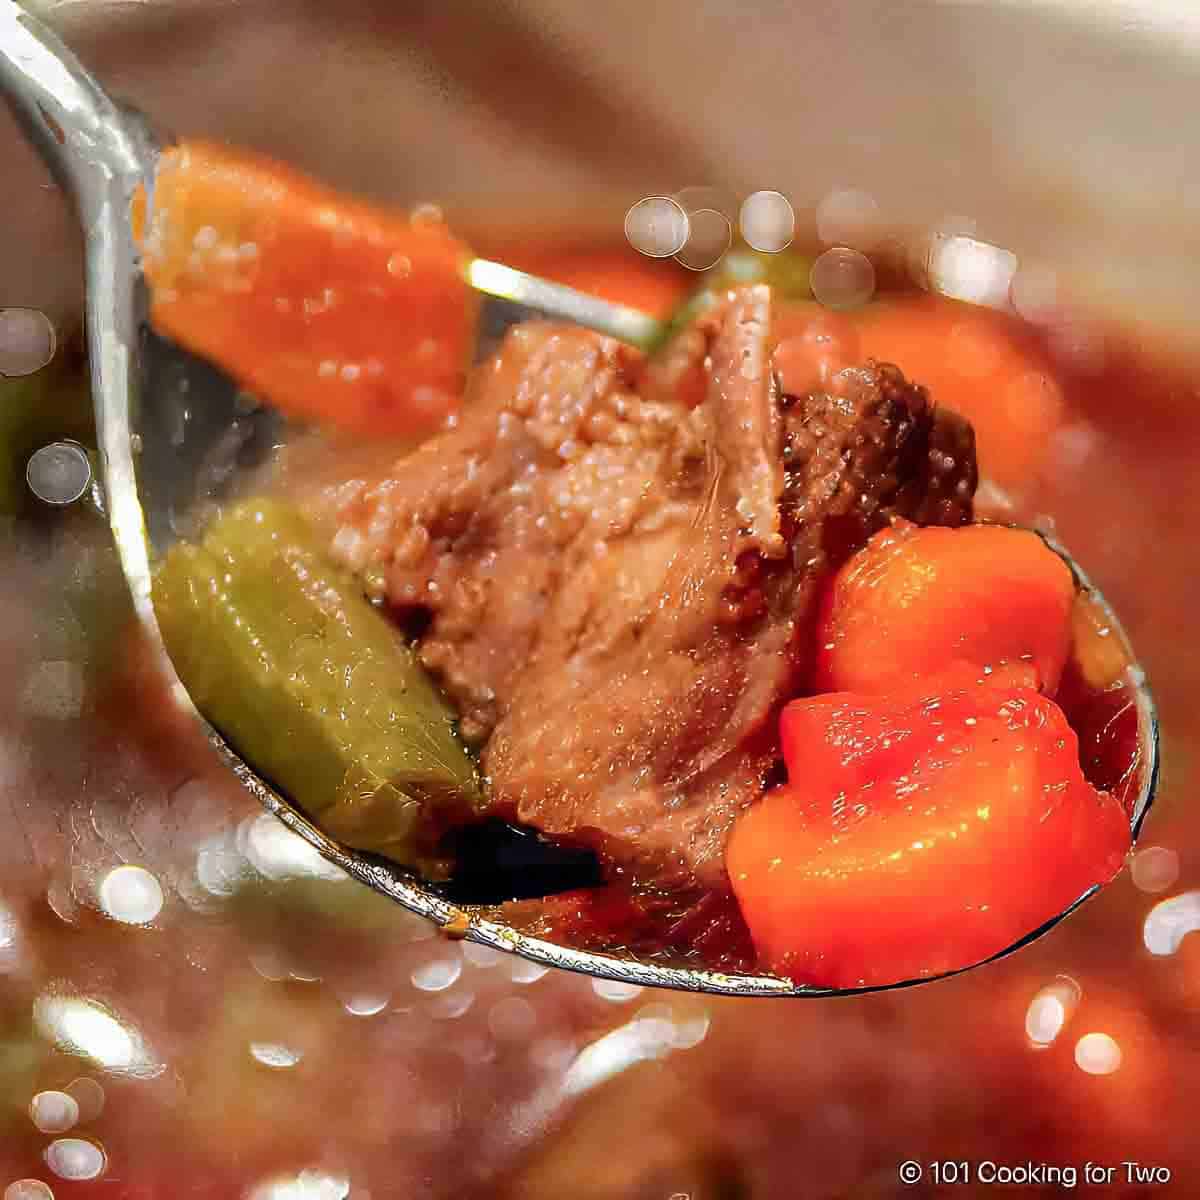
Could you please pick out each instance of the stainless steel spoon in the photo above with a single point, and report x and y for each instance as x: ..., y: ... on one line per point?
x: 186, y: 428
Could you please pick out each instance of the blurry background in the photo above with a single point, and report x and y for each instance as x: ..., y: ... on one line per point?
x: 249, y: 1023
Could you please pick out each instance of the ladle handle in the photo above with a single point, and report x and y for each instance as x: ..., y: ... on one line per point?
x: 100, y: 153
x: 83, y: 135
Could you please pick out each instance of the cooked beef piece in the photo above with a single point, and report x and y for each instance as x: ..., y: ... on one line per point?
x: 870, y: 448
x: 621, y: 573
x: 555, y: 450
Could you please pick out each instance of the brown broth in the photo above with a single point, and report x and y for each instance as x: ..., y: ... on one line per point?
x: 1097, y: 696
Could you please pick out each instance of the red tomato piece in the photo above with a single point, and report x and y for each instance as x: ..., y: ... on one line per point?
x: 914, y: 600
x: 919, y: 833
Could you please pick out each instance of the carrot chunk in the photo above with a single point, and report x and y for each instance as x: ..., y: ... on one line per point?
x: 915, y: 600
x: 330, y: 309
x: 919, y: 833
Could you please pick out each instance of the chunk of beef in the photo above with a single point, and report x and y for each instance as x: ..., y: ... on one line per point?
x: 554, y: 448
x: 621, y: 574
x: 870, y: 448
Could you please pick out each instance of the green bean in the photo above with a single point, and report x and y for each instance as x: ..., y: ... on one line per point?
x: 313, y: 686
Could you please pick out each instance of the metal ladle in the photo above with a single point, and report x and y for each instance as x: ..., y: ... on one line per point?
x: 100, y: 152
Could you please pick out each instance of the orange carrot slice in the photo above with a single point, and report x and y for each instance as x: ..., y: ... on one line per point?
x: 920, y: 832
x: 913, y: 601
x: 329, y: 308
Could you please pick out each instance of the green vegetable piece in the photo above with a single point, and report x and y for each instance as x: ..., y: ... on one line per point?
x: 281, y: 652
x: 786, y: 272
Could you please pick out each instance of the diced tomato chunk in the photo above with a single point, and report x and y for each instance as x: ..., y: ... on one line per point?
x: 919, y: 833
x: 914, y: 600
x: 328, y: 308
